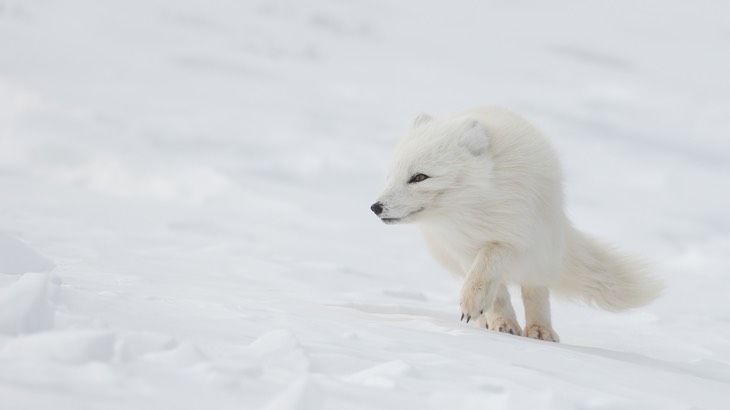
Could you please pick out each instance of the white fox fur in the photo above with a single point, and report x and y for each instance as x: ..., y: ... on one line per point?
x: 490, y: 205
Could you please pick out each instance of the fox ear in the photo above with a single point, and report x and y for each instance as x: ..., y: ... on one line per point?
x: 421, y: 119
x: 475, y: 138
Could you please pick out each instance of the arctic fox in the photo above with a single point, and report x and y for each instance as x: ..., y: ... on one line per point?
x: 486, y: 189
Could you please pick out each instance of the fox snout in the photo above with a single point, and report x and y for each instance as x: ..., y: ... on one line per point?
x: 377, y: 208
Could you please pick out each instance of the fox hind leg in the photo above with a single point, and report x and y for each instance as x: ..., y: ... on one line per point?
x: 538, y: 324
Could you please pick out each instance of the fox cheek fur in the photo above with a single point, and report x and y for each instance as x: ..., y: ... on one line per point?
x: 402, y: 200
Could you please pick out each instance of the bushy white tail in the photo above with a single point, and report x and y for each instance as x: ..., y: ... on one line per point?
x: 599, y: 275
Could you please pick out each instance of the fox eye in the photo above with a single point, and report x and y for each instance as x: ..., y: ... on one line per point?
x: 418, y: 178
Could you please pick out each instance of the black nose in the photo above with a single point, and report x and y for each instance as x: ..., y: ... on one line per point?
x: 377, y: 208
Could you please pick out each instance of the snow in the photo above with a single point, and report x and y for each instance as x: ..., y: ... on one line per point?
x: 184, y: 193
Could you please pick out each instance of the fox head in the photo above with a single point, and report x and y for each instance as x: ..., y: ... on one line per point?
x: 434, y: 163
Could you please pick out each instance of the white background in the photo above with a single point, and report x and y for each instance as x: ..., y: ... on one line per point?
x: 184, y: 193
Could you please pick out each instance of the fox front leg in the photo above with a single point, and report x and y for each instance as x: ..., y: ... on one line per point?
x: 477, y: 295
x: 481, y: 286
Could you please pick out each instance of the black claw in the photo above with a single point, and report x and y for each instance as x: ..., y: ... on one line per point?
x: 487, y: 325
x: 481, y: 312
x: 501, y: 329
x: 511, y: 332
x: 462, y: 317
x: 468, y: 318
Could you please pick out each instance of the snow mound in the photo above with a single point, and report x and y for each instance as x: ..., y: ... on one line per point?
x: 181, y: 354
x: 25, y: 305
x: 301, y: 395
x: 16, y: 257
x: 80, y: 346
x: 75, y: 347
x: 280, y: 351
x: 383, y: 375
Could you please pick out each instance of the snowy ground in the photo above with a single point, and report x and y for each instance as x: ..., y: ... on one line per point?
x: 184, y: 192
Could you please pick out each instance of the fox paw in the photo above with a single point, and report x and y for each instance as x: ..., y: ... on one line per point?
x: 541, y: 332
x: 505, y: 325
x: 474, y: 299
